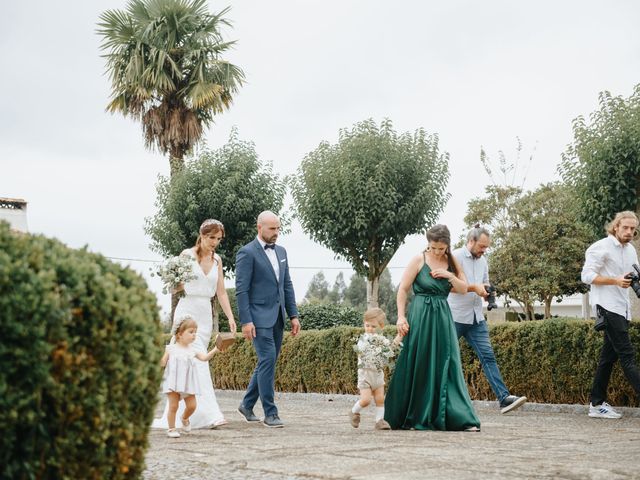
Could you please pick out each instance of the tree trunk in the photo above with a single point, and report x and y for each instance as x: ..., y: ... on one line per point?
x: 586, y: 308
x: 528, y: 309
x: 176, y: 164
x: 372, y: 292
x: 216, y: 315
x: 547, y: 307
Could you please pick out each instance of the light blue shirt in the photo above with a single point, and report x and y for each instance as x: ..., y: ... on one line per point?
x: 466, y: 306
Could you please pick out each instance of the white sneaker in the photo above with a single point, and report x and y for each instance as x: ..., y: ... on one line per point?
x: 603, y: 411
x: 173, y: 433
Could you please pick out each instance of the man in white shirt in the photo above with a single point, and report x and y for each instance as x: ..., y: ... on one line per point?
x: 607, y: 264
x: 469, y: 320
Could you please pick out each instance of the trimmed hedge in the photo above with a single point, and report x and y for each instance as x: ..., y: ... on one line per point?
x: 550, y: 361
x: 80, y: 346
x: 319, y: 316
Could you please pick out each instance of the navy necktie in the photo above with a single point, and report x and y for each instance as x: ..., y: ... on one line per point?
x: 270, y: 245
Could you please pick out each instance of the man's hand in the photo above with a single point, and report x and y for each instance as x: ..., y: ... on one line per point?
x: 295, y: 326
x: 623, y: 282
x: 249, y: 331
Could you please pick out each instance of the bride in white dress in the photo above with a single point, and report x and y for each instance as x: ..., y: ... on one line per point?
x: 209, y: 281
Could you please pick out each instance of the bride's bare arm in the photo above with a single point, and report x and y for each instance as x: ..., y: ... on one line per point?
x: 223, y: 298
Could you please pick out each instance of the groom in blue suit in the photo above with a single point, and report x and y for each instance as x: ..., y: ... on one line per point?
x: 265, y: 296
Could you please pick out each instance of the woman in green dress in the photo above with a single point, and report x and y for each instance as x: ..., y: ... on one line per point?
x: 427, y: 390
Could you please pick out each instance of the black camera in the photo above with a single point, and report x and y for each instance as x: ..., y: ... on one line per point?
x: 491, y: 297
x: 635, y: 279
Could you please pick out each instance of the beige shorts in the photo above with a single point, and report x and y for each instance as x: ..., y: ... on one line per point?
x: 370, y: 378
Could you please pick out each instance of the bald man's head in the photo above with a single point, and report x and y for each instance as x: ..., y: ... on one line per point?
x: 268, y: 226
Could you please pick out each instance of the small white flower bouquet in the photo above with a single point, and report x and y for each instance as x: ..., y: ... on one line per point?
x: 376, y: 351
x: 175, y: 271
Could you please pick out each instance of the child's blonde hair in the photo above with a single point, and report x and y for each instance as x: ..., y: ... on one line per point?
x: 182, y: 324
x: 375, y: 315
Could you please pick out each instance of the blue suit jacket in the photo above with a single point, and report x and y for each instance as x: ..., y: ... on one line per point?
x: 260, y: 295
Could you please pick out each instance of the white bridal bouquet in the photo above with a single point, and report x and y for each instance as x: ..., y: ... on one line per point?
x: 376, y: 351
x: 175, y: 271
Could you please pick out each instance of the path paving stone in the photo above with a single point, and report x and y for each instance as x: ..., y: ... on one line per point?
x: 535, y: 442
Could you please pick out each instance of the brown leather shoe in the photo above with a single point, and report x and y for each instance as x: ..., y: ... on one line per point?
x: 382, y: 424
x: 355, y: 419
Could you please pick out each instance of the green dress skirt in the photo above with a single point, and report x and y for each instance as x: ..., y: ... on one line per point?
x: 427, y: 390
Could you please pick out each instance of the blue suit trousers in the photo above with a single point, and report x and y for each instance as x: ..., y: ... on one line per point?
x: 267, y: 344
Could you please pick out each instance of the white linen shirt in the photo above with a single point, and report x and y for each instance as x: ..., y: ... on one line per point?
x: 464, y: 306
x: 609, y: 258
x: 273, y: 258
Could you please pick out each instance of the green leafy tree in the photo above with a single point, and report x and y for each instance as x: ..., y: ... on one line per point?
x: 229, y: 184
x: 355, y: 295
x: 336, y: 295
x: 603, y: 162
x: 318, y: 291
x: 166, y: 70
x: 494, y: 211
x: 542, y: 254
x: 362, y: 196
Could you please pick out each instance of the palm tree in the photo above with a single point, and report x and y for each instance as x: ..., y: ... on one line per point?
x: 163, y: 60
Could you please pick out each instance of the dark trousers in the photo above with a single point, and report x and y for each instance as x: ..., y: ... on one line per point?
x: 267, y: 345
x: 617, y: 346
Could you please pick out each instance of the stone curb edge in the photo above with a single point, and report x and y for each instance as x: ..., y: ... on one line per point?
x: 574, y: 409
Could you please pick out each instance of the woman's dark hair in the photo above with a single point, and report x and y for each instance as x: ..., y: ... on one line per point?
x: 440, y: 233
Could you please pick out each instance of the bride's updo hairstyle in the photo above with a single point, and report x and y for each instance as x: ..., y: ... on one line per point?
x: 440, y: 233
x: 210, y: 225
x: 182, y: 324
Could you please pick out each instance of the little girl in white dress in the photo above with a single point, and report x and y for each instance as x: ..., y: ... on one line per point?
x: 180, y: 379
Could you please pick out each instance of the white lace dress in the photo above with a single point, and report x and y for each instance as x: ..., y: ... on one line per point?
x: 180, y: 374
x: 197, y: 304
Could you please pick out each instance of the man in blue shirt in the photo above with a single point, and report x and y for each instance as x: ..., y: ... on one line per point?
x: 466, y: 310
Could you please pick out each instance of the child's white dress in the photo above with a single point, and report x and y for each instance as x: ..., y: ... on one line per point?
x: 180, y: 372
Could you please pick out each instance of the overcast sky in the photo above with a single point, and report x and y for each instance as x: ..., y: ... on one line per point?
x: 476, y: 73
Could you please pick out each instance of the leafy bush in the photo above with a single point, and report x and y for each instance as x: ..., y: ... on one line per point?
x: 79, y: 362
x: 318, y: 316
x: 550, y: 361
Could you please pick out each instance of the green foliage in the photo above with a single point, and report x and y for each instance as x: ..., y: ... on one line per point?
x: 603, y: 163
x: 547, y: 244
x: 318, y: 290
x: 318, y: 316
x: 222, y: 319
x: 494, y: 211
x: 356, y: 295
x: 79, y: 362
x: 336, y: 295
x: 361, y: 197
x: 229, y: 184
x: 165, y: 66
x: 551, y: 361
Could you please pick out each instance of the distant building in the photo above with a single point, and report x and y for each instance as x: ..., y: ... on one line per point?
x: 14, y: 211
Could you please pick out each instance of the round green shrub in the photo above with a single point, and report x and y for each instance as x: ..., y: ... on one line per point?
x: 80, y: 346
x: 319, y: 316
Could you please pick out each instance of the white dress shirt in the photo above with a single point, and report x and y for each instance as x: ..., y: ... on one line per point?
x: 273, y: 258
x: 466, y: 306
x: 609, y: 258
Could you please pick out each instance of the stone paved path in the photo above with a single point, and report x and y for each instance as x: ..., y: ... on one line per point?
x: 535, y: 442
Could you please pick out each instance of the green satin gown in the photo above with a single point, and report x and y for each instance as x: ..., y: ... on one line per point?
x: 427, y: 390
